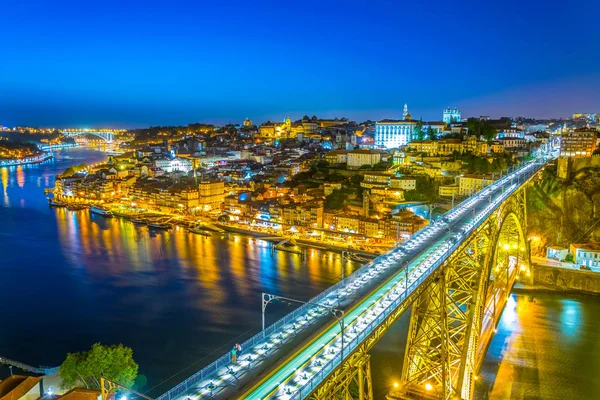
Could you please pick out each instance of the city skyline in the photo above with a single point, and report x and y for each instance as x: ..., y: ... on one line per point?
x: 145, y: 64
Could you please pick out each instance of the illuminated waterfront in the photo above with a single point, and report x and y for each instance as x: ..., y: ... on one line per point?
x: 174, y: 297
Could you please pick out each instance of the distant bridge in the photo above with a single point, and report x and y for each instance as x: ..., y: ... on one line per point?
x: 106, y: 135
x: 28, y: 368
x: 456, y: 274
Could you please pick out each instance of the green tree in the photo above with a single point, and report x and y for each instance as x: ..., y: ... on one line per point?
x: 418, y: 131
x: 335, y: 201
x: 430, y: 133
x: 85, y: 369
x: 474, y: 126
x: 489, y: 132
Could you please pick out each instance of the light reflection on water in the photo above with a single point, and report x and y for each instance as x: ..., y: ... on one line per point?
x: 176, y: 298
x: 547, y: 347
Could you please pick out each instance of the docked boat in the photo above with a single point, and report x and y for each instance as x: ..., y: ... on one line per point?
x: 138, y: 221
x: 199, y: 231
x: 158, y: 225
x: 75, y: 207
x: 54, y: 203
x: 100, y: 211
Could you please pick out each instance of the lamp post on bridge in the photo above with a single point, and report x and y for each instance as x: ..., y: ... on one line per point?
x: 336, y: 313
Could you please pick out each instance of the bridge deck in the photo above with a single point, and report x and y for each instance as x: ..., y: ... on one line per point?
x: 368, y: 296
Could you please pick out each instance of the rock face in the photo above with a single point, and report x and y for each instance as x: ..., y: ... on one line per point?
x: 564, y: 211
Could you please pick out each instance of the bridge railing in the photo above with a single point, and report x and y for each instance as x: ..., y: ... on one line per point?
x: 29, y: 368
x: 350, y: 346
x: 260, y: 337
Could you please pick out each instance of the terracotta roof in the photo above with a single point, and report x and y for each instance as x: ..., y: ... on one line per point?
x: 592, y: 246
x: 16, y: 386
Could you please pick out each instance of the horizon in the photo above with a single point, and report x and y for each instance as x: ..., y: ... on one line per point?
x: 146, y: 64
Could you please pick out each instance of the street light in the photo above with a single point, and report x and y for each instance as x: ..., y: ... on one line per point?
x: 337, y: 314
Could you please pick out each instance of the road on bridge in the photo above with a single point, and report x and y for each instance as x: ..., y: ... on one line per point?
x: 374, y: 290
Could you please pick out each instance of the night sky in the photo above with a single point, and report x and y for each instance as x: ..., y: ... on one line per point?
x: 102, y: 63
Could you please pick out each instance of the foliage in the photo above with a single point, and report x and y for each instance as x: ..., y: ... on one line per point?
x: 335, y: 201
x: 418, y: 131
x: 489, y: 132
x: 474, y: 126
x: 72, y: 170
x: 85, y: 369
x: 427, y: 190
x: 480, y: 128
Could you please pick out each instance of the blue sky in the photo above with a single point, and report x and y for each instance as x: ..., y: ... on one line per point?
x: 140, y: 63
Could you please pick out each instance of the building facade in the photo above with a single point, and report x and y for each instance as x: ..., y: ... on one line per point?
x: 578, y: 143
x: 451, y: 115
x: 472, y: 183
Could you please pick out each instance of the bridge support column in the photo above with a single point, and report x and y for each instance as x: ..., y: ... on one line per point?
x: 350, y: 382
x: 442, y: 341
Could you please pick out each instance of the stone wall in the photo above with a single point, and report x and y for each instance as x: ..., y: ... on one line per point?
x: 568, y: 166
x: 566, y: 279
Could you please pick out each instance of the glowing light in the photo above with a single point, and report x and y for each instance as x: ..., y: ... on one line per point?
x: 428, y: 386
x: 506, y: 247
x: 396, y: 384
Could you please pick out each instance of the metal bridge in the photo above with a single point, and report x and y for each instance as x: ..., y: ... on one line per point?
x: 106, y: 135
x: 27, y: 367
x: 456, y: 274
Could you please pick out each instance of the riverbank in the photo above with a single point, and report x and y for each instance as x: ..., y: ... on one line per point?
x: 316, y: 244
x: 37, y: 159
x: 567, y: 280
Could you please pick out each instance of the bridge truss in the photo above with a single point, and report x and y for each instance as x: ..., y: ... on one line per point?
x: 454, y: 315
x: 106, y: 136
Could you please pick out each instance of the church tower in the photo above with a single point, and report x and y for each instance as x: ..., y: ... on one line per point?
x: 405, y: 112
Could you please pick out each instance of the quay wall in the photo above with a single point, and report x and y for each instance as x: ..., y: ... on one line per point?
x: 564, y: 279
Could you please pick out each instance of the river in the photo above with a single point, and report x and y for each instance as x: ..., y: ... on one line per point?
x: 70, y: 279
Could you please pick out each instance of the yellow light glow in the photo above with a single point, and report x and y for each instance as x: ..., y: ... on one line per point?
x: 396, y: 384
x: 506, y: 247
x: 428, y: 386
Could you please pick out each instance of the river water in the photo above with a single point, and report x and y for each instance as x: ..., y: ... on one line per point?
x: 69, y: 279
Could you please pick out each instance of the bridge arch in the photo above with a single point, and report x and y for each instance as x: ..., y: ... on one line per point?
x: 453, y: 321
x: 106, y: 136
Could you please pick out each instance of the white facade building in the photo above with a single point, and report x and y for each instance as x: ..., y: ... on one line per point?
x: 405, y: 183
x: 587, y: 254
x: 358, y: 158
x: 173, y: 164
x: 452, y: 115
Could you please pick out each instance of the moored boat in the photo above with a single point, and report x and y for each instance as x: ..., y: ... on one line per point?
x: 158, y: 225
x: 199, y: 231
x: 54, y: 203
x: 100, y: 211
x: 138, y: 221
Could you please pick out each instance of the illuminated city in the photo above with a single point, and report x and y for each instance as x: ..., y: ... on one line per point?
x: 375, y: 201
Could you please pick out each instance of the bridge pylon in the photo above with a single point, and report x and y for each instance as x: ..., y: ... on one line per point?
x: 454, y: 319
x: 350, y: 382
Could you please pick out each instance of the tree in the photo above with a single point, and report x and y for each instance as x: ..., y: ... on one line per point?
x: 489, y: 132
x: 85, y: 369
x: 418, y: 131
x: 430, y: 133
x: 474, y: 126
x: 335, y: 201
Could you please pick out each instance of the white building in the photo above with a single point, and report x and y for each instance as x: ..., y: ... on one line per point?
x: 587, y: 254
x: 173, y: 164
x: 452, y: 115
x: 394, y: 133
x: 358, y: 158
x: 405, y: 183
